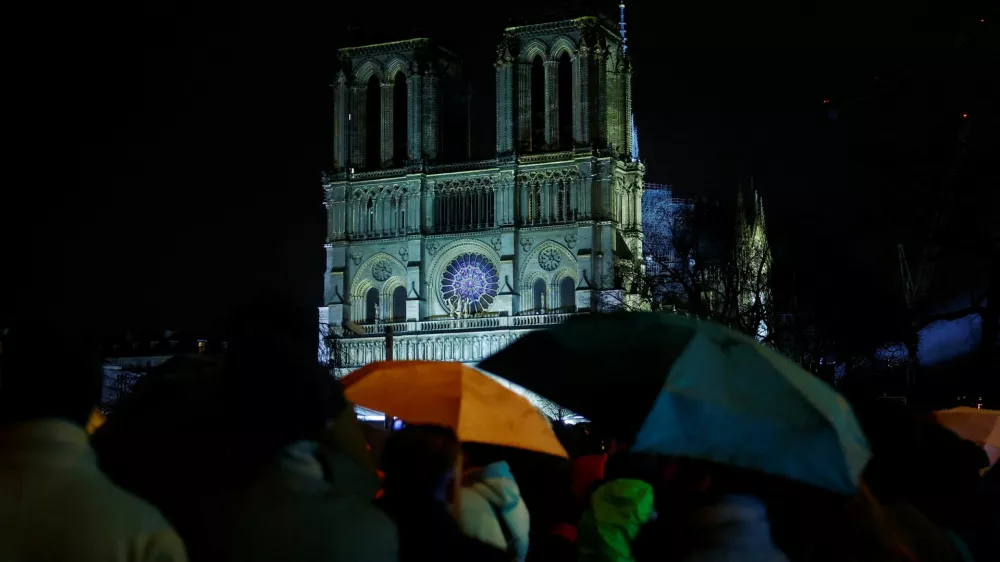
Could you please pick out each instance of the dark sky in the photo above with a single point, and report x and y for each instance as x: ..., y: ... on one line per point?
x: 171, y: 151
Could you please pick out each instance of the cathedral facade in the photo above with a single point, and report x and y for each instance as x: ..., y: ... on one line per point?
x: 460, y: 257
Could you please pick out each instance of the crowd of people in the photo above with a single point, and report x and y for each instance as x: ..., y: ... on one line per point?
x: 258, y: 456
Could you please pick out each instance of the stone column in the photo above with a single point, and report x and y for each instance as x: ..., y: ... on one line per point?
x: 638, y: 205
x: 575, y: 96
x: 415, y: 114
x: 431, y: 133
x: 386, y: 156
x: 413, y: 212
x: 429, y: 217
x: 521, y: 193
x: 582, y: 66
x: 505, y: 104
x: 552, y: 103
x: 599, y: 130
x: 626, y: 117
x: 613, y: 107
x: 524, y: 106
x: 341, y: 114
x: 357, y: 120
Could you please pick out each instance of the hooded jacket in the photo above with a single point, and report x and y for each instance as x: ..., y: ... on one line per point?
x: 494, y: 493
x: 618, y: 510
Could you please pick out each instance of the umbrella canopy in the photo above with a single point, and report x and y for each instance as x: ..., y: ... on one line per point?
x: 682, y: 387
x: 476, y: 407
x: 974, y: 424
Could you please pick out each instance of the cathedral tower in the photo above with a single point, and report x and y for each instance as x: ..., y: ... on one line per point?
x: 390, y: 102
x: 564, y: 85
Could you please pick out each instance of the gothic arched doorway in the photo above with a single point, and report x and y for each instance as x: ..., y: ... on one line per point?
x: 399, y: 304
x: 538, y: 295
x: 371, y: 304
x: 567, y: 295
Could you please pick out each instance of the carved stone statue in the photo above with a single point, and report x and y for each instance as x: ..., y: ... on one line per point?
x: 377, y: 313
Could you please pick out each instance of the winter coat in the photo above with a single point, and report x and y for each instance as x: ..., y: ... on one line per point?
x: 56, y: 504
x: 587, y: 470
x: 428, y: 532
x: 289, y: 512
x: 730, y: 529
x: 493, y: 494
x: 618, y: 510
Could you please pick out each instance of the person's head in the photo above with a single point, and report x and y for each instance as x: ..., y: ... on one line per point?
x: 45, y: 374
x: 419, y: 461
x: 277, y: 391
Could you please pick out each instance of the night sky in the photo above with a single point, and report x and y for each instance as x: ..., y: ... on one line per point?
x: 172, y: 151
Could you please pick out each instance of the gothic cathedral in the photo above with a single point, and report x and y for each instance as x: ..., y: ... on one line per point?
x: 460, y: 256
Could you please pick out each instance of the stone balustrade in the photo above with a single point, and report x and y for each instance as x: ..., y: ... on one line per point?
x: 458, y: 324
x: 467, y: 340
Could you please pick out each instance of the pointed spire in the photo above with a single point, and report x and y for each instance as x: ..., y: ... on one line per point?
x: 621, y: 25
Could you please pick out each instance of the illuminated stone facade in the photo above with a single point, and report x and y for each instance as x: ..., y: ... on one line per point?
x: 460, y: 257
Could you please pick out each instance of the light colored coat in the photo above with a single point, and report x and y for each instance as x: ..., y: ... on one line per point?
x: 289, y: 512
x: 55, y: 504
x: 495, y: 487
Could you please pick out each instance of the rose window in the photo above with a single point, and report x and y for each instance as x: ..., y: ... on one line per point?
x: 381, y: 271
x: 470, y: 283
x: 549, y: 258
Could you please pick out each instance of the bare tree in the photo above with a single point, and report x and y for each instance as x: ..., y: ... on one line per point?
x: 703, y: 260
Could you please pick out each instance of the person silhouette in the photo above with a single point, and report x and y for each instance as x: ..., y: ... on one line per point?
x: 55, y: 503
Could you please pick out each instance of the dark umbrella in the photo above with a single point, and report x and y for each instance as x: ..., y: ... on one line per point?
x: 677, y: 386
x: 607, y: 367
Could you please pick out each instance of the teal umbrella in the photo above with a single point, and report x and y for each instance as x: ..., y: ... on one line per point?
x: 682, y: 387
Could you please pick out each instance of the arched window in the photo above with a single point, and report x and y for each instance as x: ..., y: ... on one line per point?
x: 371, y: 304
x: 373, y: 124
x: 534, y: 203
x: 370, y: 215
x: 565, y: 102
x: 397, y: 209
x: 537, y: 104
x: 538, y: 295
x: 399, y: 304
x: 562, y: 202
x: 399, y: 119
x: 531, y: 202
x: 567, y: 295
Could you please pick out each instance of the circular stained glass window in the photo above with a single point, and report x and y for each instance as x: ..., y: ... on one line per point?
x: 470, y: 282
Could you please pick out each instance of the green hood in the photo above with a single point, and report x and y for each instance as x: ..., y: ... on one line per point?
x: 618, y: 509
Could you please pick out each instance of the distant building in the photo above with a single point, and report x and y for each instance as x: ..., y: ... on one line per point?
x: 128, y: 359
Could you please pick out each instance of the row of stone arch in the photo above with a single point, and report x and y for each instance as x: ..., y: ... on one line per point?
x: 561, y: 297
x: 533, y: 48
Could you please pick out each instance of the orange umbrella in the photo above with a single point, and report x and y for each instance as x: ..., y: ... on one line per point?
x: 476, y: 407
x: 974, y: 424
x: 96, y: 420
